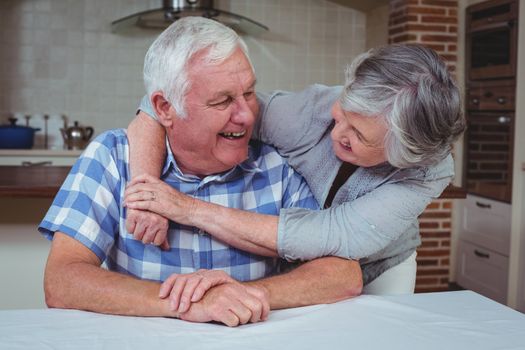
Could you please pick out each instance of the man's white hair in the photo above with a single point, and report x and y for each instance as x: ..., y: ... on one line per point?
x: 166, y: 62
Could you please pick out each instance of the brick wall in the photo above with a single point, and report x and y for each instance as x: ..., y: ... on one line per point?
x: 433, y: 23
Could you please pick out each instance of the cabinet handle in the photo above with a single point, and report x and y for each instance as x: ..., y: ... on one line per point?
x: 504, y: 120
x: 475, y: 101
x: 48, y: 162
x: 481, y: 254
x: 483, y: 205
x: 501, y: 100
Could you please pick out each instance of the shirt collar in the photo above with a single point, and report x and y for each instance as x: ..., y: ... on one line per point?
x: 249, y: 165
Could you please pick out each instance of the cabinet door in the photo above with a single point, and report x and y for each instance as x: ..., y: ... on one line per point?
x: 483, y: 271
x: 486, y: 223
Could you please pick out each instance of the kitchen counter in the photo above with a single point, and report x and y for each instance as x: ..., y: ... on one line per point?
x: 31, y: 181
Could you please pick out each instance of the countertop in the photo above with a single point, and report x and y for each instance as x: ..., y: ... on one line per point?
x: 44, y: 181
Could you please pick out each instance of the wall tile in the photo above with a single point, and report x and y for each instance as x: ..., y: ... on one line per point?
x: 59, y: 56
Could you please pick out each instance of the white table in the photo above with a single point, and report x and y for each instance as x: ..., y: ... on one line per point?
x: 453, y: 320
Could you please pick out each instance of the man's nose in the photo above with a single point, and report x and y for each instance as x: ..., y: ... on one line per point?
x: 242, y: 114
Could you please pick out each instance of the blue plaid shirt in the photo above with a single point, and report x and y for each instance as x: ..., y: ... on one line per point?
x: 88, y: 208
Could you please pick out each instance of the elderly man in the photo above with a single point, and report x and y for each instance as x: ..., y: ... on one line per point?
x: 201, y: 85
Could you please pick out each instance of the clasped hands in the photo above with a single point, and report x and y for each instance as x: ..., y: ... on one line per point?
x: 202, y: 296
x: 212, y: 295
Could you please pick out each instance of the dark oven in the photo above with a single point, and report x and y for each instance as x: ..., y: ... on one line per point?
x: 489, y: 139
x: 491, y: 37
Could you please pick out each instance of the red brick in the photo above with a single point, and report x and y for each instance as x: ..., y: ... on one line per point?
x: 447, y: 205
x: 434, y: 234
x: 433, y: 262
x: 428, y: 244
x: 453, y: 29
x: 427, y: 280
x: 426, y: 28
x: 445, y: 243
x: 439, y: 19
x: 446, y: 3
x: 445, y: 262
x: 423, y: 225
x: 435, y: 47
x: 397, y: 30
x: 452, y: 12
x: 402, y: 20
x: 439, y: 38
x: 417, y: 10
x: 435, y: 214
x: 433, y: 253
x: 450, y: 58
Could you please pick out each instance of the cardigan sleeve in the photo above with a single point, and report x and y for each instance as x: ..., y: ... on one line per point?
x: 359, y: 228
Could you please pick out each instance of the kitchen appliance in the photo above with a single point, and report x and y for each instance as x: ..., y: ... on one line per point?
x: 173, y: 10
x: 491, y: 45
x: 76, y: 137
x: 14, y: 136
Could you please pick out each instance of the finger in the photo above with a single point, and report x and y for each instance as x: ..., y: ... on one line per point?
x: 167, y: 286
x: 243, y: 313
x: 139, y: 231
x: 176, y: 292
x: 148, y: 236
x: 201, y: 289
x: 130, y: 189
x: 229, y: 318
x: 263, y: 298
x: 159, y: 237
x: 165, y: 245
x: 188, y: 291
x: 131, y: 222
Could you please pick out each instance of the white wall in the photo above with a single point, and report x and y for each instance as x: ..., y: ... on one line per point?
x: 59, y: 56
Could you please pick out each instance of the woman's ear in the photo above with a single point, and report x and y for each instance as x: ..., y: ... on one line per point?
x: 163, y: 109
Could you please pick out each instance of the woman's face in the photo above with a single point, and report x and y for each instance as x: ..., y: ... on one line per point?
x: 358, y: 139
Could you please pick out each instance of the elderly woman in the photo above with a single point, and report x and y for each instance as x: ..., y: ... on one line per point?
x: 375, y: 153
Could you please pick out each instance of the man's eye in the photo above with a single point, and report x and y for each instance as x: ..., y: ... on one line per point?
x: 248, y: 94
x: 221, y: 103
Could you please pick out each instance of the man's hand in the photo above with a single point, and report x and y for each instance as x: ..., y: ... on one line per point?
x: 232, y: 304
x: 148, y: 227
x: 184, y: 289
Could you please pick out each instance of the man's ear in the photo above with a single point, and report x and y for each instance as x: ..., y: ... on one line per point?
x: 163, y: 109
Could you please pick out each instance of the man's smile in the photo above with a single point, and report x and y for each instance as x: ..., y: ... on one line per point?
x: 233, y: 135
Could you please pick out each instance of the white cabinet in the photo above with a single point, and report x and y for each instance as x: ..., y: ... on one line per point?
x: 483, y: 251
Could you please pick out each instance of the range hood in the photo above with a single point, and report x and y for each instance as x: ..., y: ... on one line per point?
x: 173, y: 10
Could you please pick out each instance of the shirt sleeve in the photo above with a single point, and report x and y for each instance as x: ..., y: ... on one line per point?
x: 87, y: 205
x: 294, y: 121
x: 359, y: 228
x: 146, y: 107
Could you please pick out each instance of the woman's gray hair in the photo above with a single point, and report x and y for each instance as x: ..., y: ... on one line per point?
x: 410, y: 87
x: 166, y: 62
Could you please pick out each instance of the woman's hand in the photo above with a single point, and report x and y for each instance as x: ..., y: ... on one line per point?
x: 184, y: 289
x: 146, y: 192
x: 148, y: 227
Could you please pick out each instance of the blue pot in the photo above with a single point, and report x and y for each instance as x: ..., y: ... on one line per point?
x: 15, y: 136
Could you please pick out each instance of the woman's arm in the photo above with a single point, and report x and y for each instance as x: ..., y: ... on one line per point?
x: 147, y: 145
x: 147, y: 150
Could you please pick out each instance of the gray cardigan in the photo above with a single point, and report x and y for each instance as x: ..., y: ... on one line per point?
x: 373, y: 216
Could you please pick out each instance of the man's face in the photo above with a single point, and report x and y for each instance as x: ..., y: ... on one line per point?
x: 221, y: 108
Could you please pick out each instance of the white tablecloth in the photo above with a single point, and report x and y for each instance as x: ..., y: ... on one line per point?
x: 453, y: 320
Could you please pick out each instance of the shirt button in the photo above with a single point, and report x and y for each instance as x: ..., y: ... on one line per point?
x: 201, y: 232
